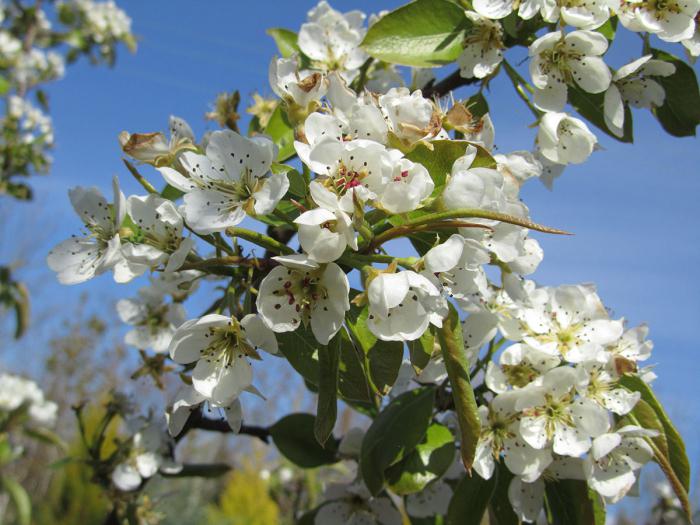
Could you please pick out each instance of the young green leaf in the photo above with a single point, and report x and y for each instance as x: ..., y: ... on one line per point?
x: 19, y: 498
x: 571, y: 502
x: 457, y: 366
x: 429, y: 461
x: 680, y: 113
x: 424, y: 33
x: 294, y: 437
x: 394, y: 433
x: 327, y: 408
x: 676, y: 448
x: 470, y: 500
x: 282, y: 134
x: 590, y: 107
x: 286, y: 41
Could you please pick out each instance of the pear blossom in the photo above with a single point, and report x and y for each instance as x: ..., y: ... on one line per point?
x: 672, y: 20
x: 497, y: 9
x: 433, y: 500
x: 301, y: 88
x: 584, y: 14
x: 359, y: 115
x: 148, y: 453
x: 599, y: 383
x: 152, y: 148
x: 614, y: 459
x: 410, y: 116
x: 527, y: 498
x: 518, y: 366
x: 352, y: 503
x: 18, y: 392
x: 408, y: 187
x: 332, y: 40
x: 563, y: 139
x: 521, y: 165
x: 179, y: 285
x: 455, y: 266
x: 302, y: 291
x: 221, y: 347
x: 187, y: 400
x: 500, y: 435
x: 558, y: 60
x: 570, y: 321
x: 551, y: 414
x: 483, y: 47
x: 634, y: 84
x: 402, y: 305
x: 631, y: 347
x: 153, y: 319
x: 229, y: 181
x: 326, y: 231
x: 79, y: 259
x: 155, y: 236
x: 353, y: 169
x: 692, y: 44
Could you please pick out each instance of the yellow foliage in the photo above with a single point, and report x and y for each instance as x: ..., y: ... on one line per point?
x: 244, y: 500
x: 72, y: 497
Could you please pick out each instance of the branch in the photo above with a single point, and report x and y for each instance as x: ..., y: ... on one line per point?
x: 447, y: 84
x: 198, y: 421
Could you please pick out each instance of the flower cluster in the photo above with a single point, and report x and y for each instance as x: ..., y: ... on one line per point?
x: 35, y: 46
x: 18, y: 394
x: 379, y: 161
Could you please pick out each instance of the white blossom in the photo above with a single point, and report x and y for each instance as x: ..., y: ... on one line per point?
x: 483, y: 47
x: 230, y: 181
x: 558, y: 60
x: 221, y: 347
x: 563, y: 139
x: 307, y: 293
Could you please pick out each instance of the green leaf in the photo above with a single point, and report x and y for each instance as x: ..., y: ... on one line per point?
x: 500, y: 507
x: 424, y: 33
x: 470, y: 500
x: 647, y: 418
x: 394, y: 433
x: 301, y: 349
x: 676, y: 448
x: 440, y: 159
x: 327, y: 407
x: 477, y: 105
x: 590, y: 107
x: 4, y: 86
x: 680, y: 113
x: 282, y: 134
x: 608, y: 29
x: 171, y: 193
x: 294, y: 437
x: 571, y: 502
x: 46, y: 436
x: 385, y: 359
x: 421, y: 349
x: 457, y: 366
x: 20, y: 499
x: 298, y: 188
x: 286, y: 41
x: 428, y: 462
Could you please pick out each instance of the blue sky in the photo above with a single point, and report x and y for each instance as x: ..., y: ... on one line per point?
x: 632, y: 207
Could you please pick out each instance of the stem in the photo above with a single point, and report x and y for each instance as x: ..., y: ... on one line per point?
x: 140, y: 178
x: 520, y: 85
x: 226, y: 261
x: 260, y: 239
x: 358, y: 260
x: 447, y: 84
x: 430, y: 219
